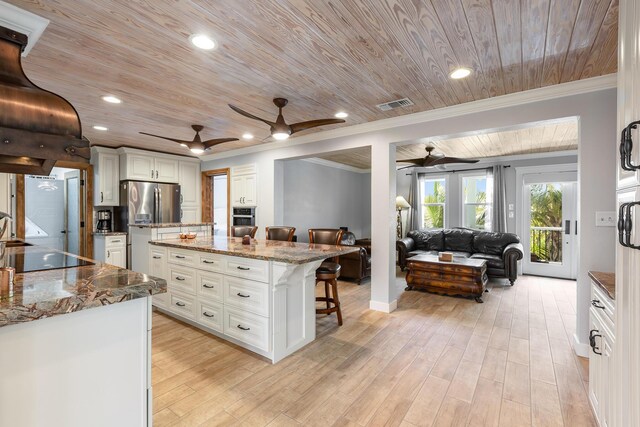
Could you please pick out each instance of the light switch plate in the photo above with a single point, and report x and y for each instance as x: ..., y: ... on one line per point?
x: 511, y: 214
x: 511, y: 206
x: 605, y: 219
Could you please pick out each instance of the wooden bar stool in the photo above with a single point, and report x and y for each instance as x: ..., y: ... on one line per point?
x: 243, y: 230
x: 284, y: 234
x: 328, y: 272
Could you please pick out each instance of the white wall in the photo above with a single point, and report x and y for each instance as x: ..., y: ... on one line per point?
x: 319, y: 196
x: 593, y: 101
x: 403, y: 182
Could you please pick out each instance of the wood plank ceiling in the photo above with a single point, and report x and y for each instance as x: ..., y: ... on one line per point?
x: 324, y: 56
x: 555, y: 136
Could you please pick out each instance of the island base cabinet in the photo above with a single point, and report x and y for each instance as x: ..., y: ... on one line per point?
x: 89, y: 367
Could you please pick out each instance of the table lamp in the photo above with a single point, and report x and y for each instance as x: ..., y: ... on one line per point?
x: 401, y: 204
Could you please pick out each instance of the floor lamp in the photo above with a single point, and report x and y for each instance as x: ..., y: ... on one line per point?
x: 401, y: 204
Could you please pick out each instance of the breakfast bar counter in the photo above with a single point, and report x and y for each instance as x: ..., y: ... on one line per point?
x: 259, y: 296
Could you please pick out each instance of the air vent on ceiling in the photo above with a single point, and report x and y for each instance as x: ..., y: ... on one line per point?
x: 404, y: 102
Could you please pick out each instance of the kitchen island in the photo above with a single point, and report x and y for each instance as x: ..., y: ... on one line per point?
x: 259, y: 296
x: 75, y: 342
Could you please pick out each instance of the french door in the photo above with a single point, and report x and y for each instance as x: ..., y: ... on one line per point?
x: 550, y: 237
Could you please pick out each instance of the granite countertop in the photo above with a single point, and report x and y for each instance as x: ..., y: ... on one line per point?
x: 270, y: 250
x: 606, y: 281
x: 110, y: 233
x: 41, y: 294
x: 171, y: 224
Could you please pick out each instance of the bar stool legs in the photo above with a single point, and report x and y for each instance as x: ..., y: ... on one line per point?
x: 330, y: 279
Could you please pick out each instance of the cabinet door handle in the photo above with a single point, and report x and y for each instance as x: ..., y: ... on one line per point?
x: 243, y: 295
x: 108, y: 254
x: 626, y: 147
x: 243, y: 268
x: 116, y: 241
x: 181, y: 198
x: 180, y: 304
x: 592, y: 341
x: 244, y: 329
x: 180, y: 256
x: 204, y: 313
x: 101, y: 197
x: 180, y: 278
x: 208, y: 286
x: 156, y: 257
x: 156, y: 174
x: 151, y: 173
x: 206, y: 261
x: 597, y: 304
x: 628, y: 225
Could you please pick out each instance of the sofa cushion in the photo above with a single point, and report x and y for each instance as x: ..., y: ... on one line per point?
x: 427, y: 240
x: 487, y: 242
x: 493, y: 261
x: 458, y: 240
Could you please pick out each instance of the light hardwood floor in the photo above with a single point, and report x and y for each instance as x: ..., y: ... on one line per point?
x: 435, y: 361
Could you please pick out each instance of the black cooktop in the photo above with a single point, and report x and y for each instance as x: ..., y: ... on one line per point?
x: 38, y: 261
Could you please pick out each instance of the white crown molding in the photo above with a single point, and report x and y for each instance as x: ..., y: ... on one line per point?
x: 23, y: 22
x: 577, y: 87
x: 335, y: 165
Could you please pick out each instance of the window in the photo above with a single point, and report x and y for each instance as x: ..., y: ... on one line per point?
x: 476, y: 202
x: 433, y: 193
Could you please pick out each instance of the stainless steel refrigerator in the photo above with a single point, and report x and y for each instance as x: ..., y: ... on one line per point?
x: 146, y: 203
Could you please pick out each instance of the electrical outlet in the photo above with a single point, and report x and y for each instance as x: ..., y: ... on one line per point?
x: 511, y: 206
x: 605, y: 219
x: 511, y: 214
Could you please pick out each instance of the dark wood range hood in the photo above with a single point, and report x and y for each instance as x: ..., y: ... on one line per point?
x: 37, y: 127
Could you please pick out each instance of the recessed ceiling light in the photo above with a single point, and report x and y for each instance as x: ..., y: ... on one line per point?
x: 111, y: 99
x: 247, y: 136
x: 460, y: 73
x: 202, y: 41
x: 341, y: 115
x: 98, y: 127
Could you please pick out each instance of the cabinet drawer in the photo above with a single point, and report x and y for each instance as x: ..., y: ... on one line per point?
x: 602, y: 303
x: 210, y: 286
x: 247, y: 295
x: 117, y: 241
x: 246, y: 327
x: 180, y: 257
x: 182, y: 279
x: 161, y: 300
x: 183, y: 305
x: 247, y: 268
x: 210, y: 314
x: 211, y: 262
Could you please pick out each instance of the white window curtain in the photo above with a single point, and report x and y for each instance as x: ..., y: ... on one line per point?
x: 495, y: 180
x: 414, y: 200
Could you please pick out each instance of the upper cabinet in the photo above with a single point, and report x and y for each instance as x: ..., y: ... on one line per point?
x: 147, y: 166
x: 244, y: 185
x: 106, y: 172
x: 190, y: 193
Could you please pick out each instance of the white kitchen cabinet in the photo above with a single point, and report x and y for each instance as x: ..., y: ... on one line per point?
x: 190, y: 214
x: 244, y: 190
x: 158, y: 268
x: 143, y: 165
x: 190, y: 191
x: 106, y: 176
x: 111, y: 249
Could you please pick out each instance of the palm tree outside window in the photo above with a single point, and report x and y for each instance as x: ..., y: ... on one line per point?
x: 433, y: 193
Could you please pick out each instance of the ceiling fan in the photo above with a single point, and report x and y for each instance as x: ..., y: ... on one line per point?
x: 280, y: 130
x: 434, y: 159
x: 197, y: 146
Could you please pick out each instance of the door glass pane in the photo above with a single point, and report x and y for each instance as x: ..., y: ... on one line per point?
x: 73, y: 215
x: 546, y: 223
x: 433, y: 203
x: 220, y: 205
x: 44, y: 211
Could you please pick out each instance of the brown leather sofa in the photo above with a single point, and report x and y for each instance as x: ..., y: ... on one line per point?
x: 502, y: 251
x: 356, y: 265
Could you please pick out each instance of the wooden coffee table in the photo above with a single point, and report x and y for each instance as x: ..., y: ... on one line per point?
x: 463, y: 276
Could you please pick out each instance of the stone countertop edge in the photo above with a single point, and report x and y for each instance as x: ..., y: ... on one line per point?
x: 172, y: 225
x: 207, y: 247
x: 605, y: 281
x: 110, y: 233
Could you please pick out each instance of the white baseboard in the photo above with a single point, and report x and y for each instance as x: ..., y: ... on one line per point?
x: 383, y: 306
x: 581, y: 349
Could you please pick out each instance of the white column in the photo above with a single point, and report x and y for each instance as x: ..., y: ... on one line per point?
x: 383, y: 228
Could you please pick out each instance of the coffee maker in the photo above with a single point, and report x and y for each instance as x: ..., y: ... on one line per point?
x: 104, y: 222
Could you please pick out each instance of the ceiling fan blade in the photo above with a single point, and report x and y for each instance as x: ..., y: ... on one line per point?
x: 213, y: 142
x: 297, y: 127
x: 448, y: 160
x: 249, y: 115
x: 417, y: 162
x: 180, y: 141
